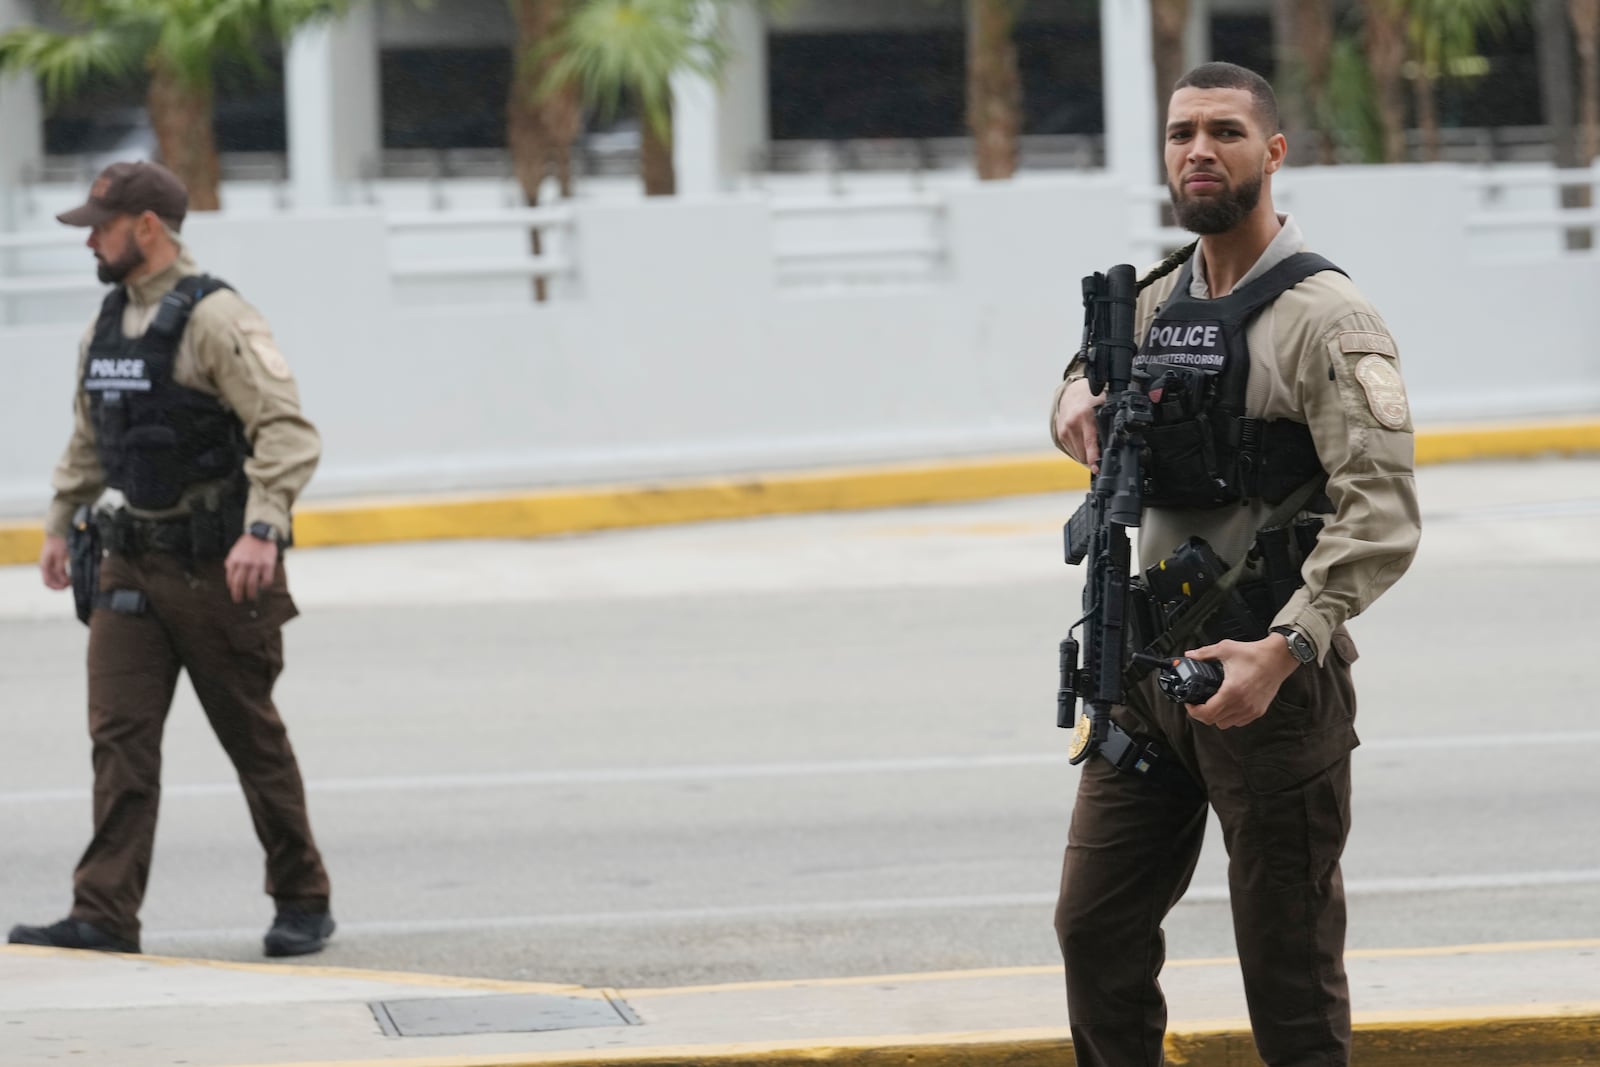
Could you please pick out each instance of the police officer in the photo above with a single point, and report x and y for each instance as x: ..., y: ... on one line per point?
x: 1273, y: 381
x: 186, y: 407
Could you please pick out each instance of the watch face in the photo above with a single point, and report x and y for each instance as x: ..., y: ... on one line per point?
x: 1299, y: 646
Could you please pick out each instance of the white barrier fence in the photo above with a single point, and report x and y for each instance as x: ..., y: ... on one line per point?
x: 682, y: 337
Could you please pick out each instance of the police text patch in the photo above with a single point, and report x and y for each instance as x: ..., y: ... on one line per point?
x: 1184, y: 344
x: 116, y: 375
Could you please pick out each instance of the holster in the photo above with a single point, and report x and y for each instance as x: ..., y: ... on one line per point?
x: 83, y: 555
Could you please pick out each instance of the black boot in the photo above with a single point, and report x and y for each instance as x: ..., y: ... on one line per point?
x: 71, y: 933
x: 296, y: 932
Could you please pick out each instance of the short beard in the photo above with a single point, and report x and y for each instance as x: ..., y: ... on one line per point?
x: 114, y: 272
x: 1216, y: 214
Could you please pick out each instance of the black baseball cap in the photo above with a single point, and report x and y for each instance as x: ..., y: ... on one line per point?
x: 132, y: 189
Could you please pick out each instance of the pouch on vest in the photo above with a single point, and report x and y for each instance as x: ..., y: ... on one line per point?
x: 1203, y: 452
x: 152, y: 478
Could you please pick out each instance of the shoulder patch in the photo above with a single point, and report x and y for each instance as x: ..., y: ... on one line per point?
x: 262, y: 345
x: 1385, y: 392
x: 1367, y: 341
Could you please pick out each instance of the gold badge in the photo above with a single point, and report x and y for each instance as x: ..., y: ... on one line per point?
x: 1386, y: 394
x: 1080, y: 739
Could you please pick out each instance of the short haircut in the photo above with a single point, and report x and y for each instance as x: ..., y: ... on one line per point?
x: 1233, y: 76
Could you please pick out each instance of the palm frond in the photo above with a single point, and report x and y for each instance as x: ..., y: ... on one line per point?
x: 619, y: 49
x: 1442, y: 31
x: 63, y: 62
x: 1352, y: 103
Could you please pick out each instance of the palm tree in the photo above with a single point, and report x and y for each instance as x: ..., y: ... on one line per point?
x: 994, y: 86
x: 1384, y: 39
x: 1353, y: 105
x: 618, y: 52
x: 177, y: 44
x: 1168, y: 19
x: 540, y: 127
x: 1553, y: 54
x: 1302, y: 34
x: 1439, y: 34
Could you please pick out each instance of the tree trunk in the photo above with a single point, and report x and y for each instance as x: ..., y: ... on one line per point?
x: 540, y: 128
x: 539, y: 131
x: 1287, y: 81
x: 994, y: 87
x: 1585, y: 16
x: 1553, y: 50
x: 655, y: 159
x: 1384, y: 41
x: 1168, y: 19
x: 182, y: 117
x: 1302, y: 41
x: 1314, y: 56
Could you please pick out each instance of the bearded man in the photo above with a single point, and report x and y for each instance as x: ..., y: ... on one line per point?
x: 1281, y: 438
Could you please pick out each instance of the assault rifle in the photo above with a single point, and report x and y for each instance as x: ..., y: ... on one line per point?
x: 1098, y: 530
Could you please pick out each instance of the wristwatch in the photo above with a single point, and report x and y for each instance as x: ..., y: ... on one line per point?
x: 1299, y: 644
x: 265, y: 531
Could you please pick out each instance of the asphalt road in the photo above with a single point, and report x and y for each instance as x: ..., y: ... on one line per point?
x: 810, y: 746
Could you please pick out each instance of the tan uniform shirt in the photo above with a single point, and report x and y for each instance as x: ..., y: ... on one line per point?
x: 228, y: 351
x: 1320, y: 355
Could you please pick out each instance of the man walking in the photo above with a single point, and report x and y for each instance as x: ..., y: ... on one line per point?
x: 185, y: 407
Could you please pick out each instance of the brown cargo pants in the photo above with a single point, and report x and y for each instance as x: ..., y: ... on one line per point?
x: 1281, y: 789
x: 233, y: 654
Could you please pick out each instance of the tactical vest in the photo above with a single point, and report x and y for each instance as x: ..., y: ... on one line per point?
x: 156, y: 438
x: 1202, y: 450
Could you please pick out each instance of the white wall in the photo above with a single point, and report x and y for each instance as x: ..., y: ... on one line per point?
x: 680, y: 344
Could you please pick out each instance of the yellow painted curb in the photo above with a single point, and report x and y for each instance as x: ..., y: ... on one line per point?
x: 1511, y: 1041
x: 542, y: 513
x: 612, y: 507
x: 548, y: 512
x: 20, y: 544
x: 1564, y: 437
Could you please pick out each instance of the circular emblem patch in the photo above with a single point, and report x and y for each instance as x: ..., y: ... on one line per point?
x: 271, y: 359
x: 1386, y: 393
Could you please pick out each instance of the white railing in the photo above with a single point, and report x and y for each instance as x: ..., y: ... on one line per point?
x: 1535, y: 212
x: 493, y: 251
x: 449, y: 257
x: 830, y: 242
x: 44, y: 276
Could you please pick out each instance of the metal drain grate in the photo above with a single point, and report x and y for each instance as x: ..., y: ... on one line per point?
x: 514, y: 1013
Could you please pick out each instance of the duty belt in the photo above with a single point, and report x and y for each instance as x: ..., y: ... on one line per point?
x: 128, y: 536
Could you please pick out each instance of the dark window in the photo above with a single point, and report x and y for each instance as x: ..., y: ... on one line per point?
x: 867, y: 85
x: 109, y: 115
x: 840, y: 86
x: 445, y: 98
x: 1245, y: 40
x: 1507, y: 94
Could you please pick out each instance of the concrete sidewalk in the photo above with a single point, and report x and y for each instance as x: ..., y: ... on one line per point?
x: 1533, y: 1004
